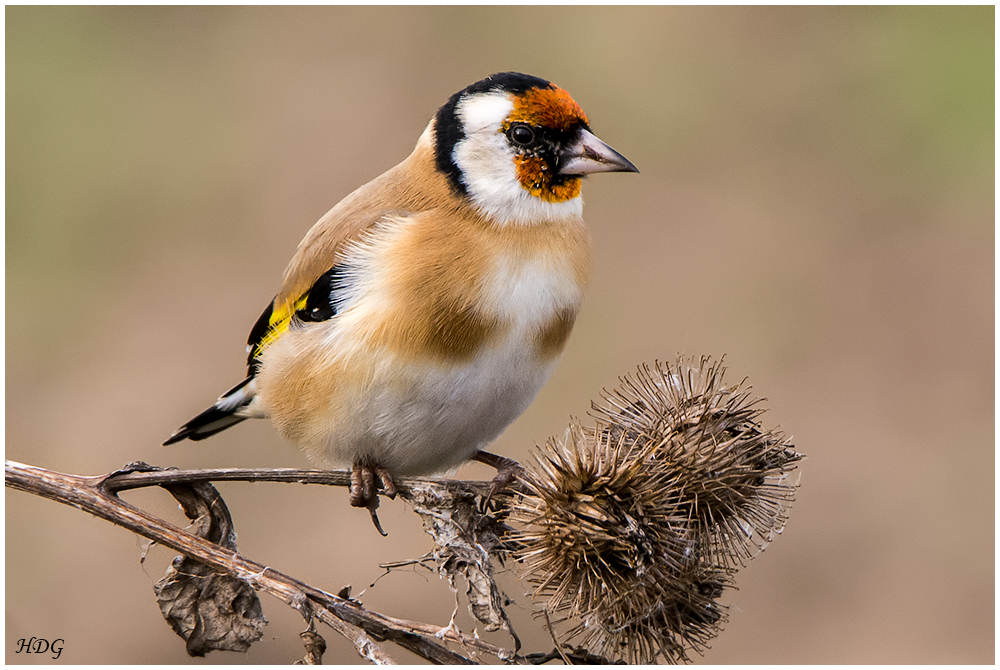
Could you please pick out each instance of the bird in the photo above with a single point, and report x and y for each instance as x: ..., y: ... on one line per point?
x: 424, y: 312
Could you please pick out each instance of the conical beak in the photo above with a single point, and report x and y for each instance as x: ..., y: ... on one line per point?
x: 589, y: 154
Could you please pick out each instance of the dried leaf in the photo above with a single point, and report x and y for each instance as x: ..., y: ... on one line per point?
x: 315, y: 647
x: 209, y: 610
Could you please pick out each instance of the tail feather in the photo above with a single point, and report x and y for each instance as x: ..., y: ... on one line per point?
x: 218, y: 417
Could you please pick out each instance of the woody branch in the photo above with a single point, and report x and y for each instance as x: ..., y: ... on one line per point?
x: 97, y: 495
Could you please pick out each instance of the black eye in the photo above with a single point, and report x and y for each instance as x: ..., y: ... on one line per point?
x: 521, y: 134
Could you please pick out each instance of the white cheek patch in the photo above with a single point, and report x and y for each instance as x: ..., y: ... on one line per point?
x: 486, y: 161
x: 484, y: 111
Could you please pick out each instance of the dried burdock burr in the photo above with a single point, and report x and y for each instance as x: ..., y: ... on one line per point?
x: 733, y: 473
x: 629, y: 531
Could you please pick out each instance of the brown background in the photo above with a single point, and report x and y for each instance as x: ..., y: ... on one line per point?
x: 815, y: 202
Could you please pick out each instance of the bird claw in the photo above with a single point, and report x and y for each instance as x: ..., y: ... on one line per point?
x: 378, y: 526
x: 508, y: 470
x: 364, y: 492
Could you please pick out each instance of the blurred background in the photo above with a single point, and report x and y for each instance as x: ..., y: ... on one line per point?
x: 816, y: 202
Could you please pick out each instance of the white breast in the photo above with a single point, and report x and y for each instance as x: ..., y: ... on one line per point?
x: 442, y: 415
x: 530, y: 292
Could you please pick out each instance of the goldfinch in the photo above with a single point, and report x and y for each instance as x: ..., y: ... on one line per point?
x: 425, y: 311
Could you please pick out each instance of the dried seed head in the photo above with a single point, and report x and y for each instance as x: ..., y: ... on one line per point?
x: 631, y: 530
x: 731, y: 472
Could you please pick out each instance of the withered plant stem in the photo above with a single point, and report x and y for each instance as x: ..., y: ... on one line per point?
x: 97, y: 495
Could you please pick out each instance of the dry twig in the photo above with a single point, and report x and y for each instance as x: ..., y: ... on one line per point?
x: 97, y: 495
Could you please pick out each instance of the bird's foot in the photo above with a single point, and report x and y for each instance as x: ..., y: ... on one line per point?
x: 364, y: 492
x: 508, y: 470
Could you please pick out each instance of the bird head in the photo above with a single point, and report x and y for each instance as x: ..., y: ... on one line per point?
x: 518, y: 147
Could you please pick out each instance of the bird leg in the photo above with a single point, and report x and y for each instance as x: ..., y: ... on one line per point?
x: 507, y: 471
x: 363, y: 490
